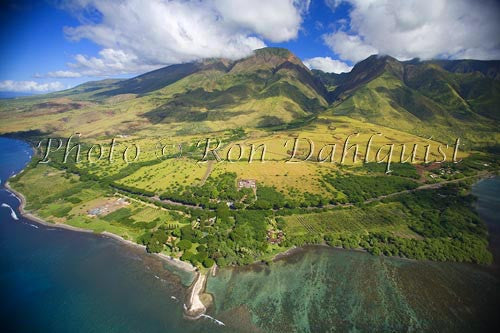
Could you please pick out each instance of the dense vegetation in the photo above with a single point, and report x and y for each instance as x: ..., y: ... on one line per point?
x: 214, y: 190
x: 360, y: 188
x: 234, y: 238
x: 397, y: 169
x: 450, y: 229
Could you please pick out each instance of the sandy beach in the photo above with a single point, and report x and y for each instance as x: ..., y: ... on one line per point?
x: 194, y: 307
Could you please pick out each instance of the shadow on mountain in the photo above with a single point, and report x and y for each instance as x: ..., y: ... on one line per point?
x: 31, y: 136
x: 152, y: 81
x: 199, y: 104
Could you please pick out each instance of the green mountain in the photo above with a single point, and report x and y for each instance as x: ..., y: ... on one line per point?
x: 489, y: 68
x: 443, y: 99
x: 272, y: 87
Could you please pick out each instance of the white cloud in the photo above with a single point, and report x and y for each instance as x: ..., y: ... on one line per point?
x: 415, y: 28
x: 30, y: 86
x: 349, y: 47
x: 327, y: 64
x: 110, y: 62
x: 276, y: 21
x: 141, y: 35
x: 64, y: 74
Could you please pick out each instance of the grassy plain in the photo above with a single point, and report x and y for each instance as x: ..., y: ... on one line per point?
x: 60, y: 197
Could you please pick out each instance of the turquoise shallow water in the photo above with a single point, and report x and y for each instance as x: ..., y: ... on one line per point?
x: 320, y: 289
x: 54, y: 280
x: 326, y: 290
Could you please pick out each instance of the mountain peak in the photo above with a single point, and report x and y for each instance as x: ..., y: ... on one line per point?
x: 273, y: 51
x: 268, y: 58
x: 368, y: 69
x: 379, y: 59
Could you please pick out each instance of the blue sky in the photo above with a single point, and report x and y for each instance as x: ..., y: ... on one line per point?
x: 52, y: 45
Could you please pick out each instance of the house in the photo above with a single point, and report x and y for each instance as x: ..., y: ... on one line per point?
x: 247, y: 183
x: 94, y: 212
x: 109, y: 207
x: 275, y: 236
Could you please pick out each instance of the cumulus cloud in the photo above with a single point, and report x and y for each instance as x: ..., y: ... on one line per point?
x: 327, y: 64
x: 30, y: 86
x: 111, y: 62
x: 413, y: 28
x: 64, y: 74
x: 349, y: 47
x: 141, y: 35
x: 276, y: 21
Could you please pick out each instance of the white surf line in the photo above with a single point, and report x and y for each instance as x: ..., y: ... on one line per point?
x: 13, y: 195
x: 12, y: 212
x: 218, y: 322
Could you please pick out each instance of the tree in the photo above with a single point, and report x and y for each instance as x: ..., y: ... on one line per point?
x: 201, y: 256
x: 208, y: 262
x: 176, y: 232
x: 187, y: 256
x: 222, y: 213
x: 221, y: 262
x: 184, y: 245
x: 154, y: 246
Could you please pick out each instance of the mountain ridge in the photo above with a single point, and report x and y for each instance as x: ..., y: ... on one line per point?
x: 422, y: 98
x: 272, y: 87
